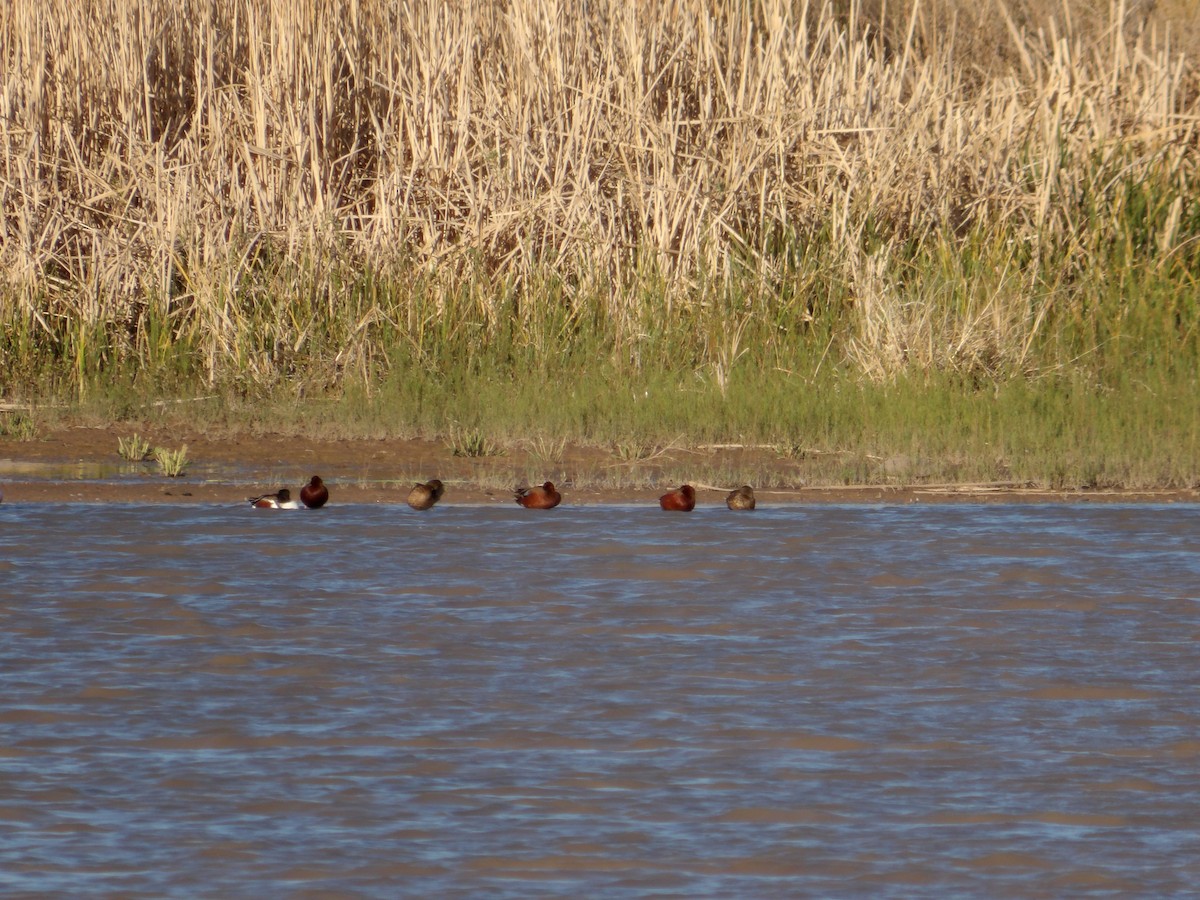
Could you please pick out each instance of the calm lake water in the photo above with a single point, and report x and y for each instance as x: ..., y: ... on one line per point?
x: 869, y: 701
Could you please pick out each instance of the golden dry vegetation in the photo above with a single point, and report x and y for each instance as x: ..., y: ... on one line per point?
x: 255, y: 194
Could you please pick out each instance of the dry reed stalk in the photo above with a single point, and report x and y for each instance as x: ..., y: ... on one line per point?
x: 194, y: 157
x: 986, y: 332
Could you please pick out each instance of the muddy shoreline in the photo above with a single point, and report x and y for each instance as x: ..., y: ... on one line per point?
x: 81, y: 465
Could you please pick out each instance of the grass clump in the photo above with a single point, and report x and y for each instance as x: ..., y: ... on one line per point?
x: 635, y: 451
x: 18, y: 425
x: 548, y: 450
x: 473, y: 444
x: 172, y: 463
x: 134, y: 449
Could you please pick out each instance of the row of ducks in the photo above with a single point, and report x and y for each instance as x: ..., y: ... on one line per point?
x: 423, y: 496
x: 315, y: 494
x: 683, y: 499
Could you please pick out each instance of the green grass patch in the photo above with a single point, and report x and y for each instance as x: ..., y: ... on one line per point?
x: 134, y: 448
x: 941, y: 359
x: 172, y: 463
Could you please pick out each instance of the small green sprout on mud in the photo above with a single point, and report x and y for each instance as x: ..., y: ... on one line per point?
x: 18, y: 425
x: 548, y: 450
x: 172, y: 463
x: 633, y: 451
x: 473, y: 444
x: 134, y: 449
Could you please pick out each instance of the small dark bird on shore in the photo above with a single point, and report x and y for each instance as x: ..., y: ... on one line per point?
x: 682, y: 500
x: 314, y: 495
x: 423, y: 496
x: 742, y: 498
x: 544, y: 497
x: 281, y: 499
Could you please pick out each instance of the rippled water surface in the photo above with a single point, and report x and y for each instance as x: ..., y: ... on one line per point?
x: 367, y: 701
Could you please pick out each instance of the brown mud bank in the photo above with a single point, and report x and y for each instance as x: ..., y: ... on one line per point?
x: 82, y: 465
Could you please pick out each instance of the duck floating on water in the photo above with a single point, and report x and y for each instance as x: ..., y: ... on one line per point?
x: 682, y: 500
x: 423, y: 496
x: 742, y: 498
x: 314, y: 495
x: 281, y: 499
x: 544, y: 497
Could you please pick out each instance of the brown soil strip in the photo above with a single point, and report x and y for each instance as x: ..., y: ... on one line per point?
x: 382, y: 471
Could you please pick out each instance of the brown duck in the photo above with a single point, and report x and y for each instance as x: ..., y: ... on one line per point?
x: 682, y: 500
x: 544, y: 497
x: 314, y: 495
x: 742, y: 498
x: 423, y: 496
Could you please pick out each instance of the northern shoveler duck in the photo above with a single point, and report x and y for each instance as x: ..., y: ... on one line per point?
x: 281, y: 499
x: 682, y: 500
x: 423, y: 496
x: 544, y: 497
x: 314, y: 495
x: 742, y: 498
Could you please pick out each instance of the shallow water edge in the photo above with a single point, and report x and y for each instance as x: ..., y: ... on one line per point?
x: 852, y: 700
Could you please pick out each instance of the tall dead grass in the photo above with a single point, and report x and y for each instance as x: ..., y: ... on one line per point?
x: 225, y: 169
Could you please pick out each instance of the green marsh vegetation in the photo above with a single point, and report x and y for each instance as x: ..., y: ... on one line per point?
x: 473, y: 444
x: 19, y: 426
x: 922, y: 239
x: 172, y: 463
x: 133, y: 449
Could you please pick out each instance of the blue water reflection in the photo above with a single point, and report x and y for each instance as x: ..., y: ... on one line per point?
x: 825, y: 700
